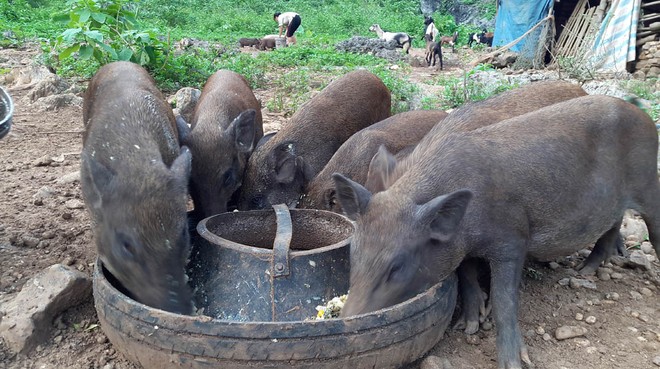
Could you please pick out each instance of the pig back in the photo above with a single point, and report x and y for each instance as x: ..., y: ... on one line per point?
x: 563, y: 174
x: 353, y: 156
x: 348, y: 104
x: 225, y: 95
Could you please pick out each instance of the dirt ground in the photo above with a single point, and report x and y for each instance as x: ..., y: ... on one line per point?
x: 43, y: 222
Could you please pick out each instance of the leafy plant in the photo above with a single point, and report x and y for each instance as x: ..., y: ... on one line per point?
x: 108, y: 31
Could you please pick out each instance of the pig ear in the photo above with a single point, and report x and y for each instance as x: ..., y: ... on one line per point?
x: 380, y: 169
x: 181, y: 165
x: 265, y: 139
x: 97, y: 176
x: 242, y: 130
x: 286, y: 163
x: 444, y: 214
x: 352, y: 197
x: 182, y: 129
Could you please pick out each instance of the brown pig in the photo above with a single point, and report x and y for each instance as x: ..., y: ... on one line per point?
x: 134, y: 183
x: 495, y: 109
x: 280, y: 168
x: 225, y: 128
x: 539, y: 185
x: 353, y: 157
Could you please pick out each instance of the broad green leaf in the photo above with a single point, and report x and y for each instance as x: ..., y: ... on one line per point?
x: 84, y: 15
x: 86, y: 52
x: 144, y: 58
x: 70, y: 34
x: 94, y: 35
x: 125, y: 54
x: 99, y: 17
x: 69, y: 50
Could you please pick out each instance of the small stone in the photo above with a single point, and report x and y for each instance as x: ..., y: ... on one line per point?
x: 634, y: 314
x: 612, y: 296
x: 44, y: 192
x: 582, y: 342
x: 29, y: 241
x: 43, y: 161
x: 564, y: 281
x: 540, y: 330
x: 635, y: 295
x: 547, y: 337
x: 109, y: 366
x: 638, y: 258
x: 38, y: 202
x: 486, y: 326
x: 646, y: 292
x: 68, y: 261
x: 644, y: 318
x: 646, y: 247
x: 603, y: 276
x: 74, y: 204
x: 592, y: 350
x: 67, y: 216
x: 57, y: 340
x: 48, y: 235
x: 434, y: 362
x: 656, y: 360
x: 579, y: 316
x: 473, y: 339
x: 616, y: 276
x: 569, y: 331
x: 590, y: 319
x: 584, y: 253
x: 581, y: 283
x: 553, y: 265
x: 101, y: 339
x: 69, y: 178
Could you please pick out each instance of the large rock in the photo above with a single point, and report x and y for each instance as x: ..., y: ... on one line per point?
x: 633, y: 226
x: 27, y: 319
x: 50, y: 85
x: 55, y: 102
x: 185, y: 101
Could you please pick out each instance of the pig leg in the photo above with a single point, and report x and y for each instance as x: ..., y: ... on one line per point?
x: 505, y: 278
x: 472, y: 297
x: 650, y: 211
x: 606, y: 246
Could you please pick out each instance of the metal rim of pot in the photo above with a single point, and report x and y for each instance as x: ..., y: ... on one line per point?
x: 203, y: 231
x: 5, y: 123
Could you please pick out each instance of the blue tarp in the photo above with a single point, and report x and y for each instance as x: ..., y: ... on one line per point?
x: 515, y: 17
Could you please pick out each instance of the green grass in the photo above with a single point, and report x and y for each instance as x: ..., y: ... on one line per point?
x: 223, y: 22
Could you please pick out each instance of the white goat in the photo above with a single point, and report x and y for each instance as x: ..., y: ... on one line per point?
x: 402, y: 39
x: 432, y: 31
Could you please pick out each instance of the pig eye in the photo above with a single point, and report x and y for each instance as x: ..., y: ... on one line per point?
x: 257, y: 201
x: 125, y: 247
x: 395, y: 270
x: 228, y: 178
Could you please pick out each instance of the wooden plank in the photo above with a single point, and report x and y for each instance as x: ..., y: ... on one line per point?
x: 648, y: 5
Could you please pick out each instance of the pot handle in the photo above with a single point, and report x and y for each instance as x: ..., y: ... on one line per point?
x: 283, y: 235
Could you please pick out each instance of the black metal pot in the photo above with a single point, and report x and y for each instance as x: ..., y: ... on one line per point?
x: 6, y: 112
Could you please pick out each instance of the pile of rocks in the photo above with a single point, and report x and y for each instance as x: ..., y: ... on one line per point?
x: 649, y: 60
x: 377, y: 47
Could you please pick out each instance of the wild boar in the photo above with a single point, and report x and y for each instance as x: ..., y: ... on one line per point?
x: 134, y: 183
x: 253, y: 42
x: 225, y: 128
x: 353, y: 157
x: 280, y: 168
x: 495, y: 109
x: 539, y: 185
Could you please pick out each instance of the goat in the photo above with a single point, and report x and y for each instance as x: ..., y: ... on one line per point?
x: 430, y: 28
x: 481, y: 38
x: 433, y: 50
x: 451, y: 40
x: 402, y: 39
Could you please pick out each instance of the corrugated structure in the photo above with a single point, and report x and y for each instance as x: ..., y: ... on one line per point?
x: 610, y: 34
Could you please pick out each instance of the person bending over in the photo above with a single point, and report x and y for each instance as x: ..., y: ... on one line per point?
x: 289, y: 21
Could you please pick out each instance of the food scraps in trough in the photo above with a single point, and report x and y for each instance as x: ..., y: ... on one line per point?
x: 332, y: 308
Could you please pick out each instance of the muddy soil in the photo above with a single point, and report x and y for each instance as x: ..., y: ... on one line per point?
x: 43, y: 222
